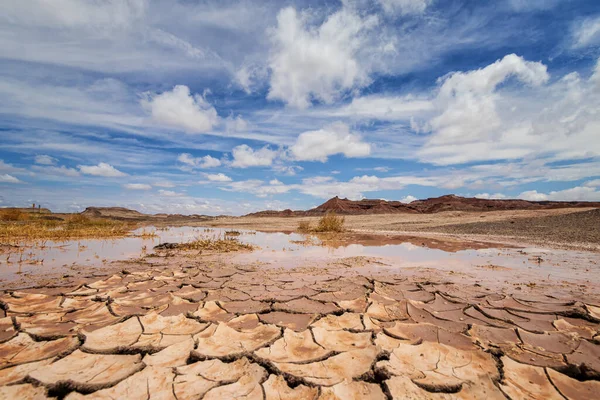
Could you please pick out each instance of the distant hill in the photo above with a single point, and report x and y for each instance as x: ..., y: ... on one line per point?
x: 428, y: 206
x: 122, y: 213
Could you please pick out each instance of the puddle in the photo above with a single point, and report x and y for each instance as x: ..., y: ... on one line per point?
x: 292, y: 250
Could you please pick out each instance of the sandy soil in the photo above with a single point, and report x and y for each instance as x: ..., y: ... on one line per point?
x: 571, y: 228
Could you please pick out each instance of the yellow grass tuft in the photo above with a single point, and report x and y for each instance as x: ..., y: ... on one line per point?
x: 330, y: 223
x: 304, y: 226
x: 217, y: 245
x: 12, y: 214
x: 35, y: 227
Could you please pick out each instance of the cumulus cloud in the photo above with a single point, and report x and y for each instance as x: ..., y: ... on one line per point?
x: 6, y: 178
x: 578, y: 193
x: 587, y: 32
x: 408, y: 199
x: 244, y: 156
x: 316, y: 62
x: 220, y: 177
x: 102, y: 169
x: 469, y: 127
x: 199, y: 162
x: 180, y: 109
x: 404, y: 7
x: 45, y: 160
x: 137, y: 186
x: 332, y: 139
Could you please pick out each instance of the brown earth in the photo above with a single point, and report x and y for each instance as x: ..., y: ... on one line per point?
x: 427, y: 206
x: 180, y: 328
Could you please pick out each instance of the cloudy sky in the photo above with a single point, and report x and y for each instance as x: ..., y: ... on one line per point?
x: 228, y: 107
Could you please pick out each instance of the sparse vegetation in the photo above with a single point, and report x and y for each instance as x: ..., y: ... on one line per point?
x: 330, y: 222
x: 12, y: 214
x: 304, y: 226
x: 207, y: 244
x: 232, y: 233
x: 18, y: 226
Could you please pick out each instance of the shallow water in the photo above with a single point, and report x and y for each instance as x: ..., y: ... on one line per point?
x: 292, y: 250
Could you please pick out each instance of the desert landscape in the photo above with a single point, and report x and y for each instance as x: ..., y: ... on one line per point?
x: 466, y: 301
x: 299, y: 200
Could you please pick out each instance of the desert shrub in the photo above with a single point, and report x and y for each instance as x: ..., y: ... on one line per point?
x: 330, y: 223
x: 12, y: 215
x: 304, y: 226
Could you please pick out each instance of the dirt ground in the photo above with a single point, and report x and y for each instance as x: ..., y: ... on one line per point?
x: 573, y: 228
x: 193, y: 327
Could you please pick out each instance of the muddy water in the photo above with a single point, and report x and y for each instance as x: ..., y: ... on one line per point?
x: 290, y: 250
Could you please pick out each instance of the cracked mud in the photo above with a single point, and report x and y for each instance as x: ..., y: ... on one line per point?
x: 193, y: 329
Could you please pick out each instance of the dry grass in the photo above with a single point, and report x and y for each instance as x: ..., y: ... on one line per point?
x: 304, y: 226
x: 330, y: 223
x: 233, y: 233
x: 12, y: 215
x: 36, y: 227
x: 208, y: 244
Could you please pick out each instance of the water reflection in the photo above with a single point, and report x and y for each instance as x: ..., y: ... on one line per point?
x: 293, y: 249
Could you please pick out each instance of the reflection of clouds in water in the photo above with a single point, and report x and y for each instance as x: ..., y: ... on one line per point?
x: 279, y: 248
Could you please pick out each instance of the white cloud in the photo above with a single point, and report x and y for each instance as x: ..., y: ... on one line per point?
x: 382, y: 169
x: 578, y: 193
x: 408, y: 199
x: 199, y: 162
x: 137, y: 186
x: 289, y: 170
x: 237, y: 124
x: 404, y: 7
x: 220, y: 177
x: 244, y: 156
x: 52, y: 170
x: 258, y: 187
x: 332, y: 139
x: 164, y: 184
x: 45, y: 160
x: 490, y: 196
x: 102, y: 169
x: 587, y: 32
x: 316, y: 62
x: 170, y: 193
x: 470, y: 126
x: 179, y: 109
x: 593, y: 183
x: 381, y: 107
x: 6, y: 178
x: 275, y: 182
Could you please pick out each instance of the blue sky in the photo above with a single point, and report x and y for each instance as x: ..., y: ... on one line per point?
x: 228, y: 107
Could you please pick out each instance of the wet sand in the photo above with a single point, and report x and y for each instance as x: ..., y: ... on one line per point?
x: 297, y: 320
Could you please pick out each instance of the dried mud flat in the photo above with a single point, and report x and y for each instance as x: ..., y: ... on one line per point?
x: 197, y: 329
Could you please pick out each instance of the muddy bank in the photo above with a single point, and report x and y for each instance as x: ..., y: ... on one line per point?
x: 549, y: 228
